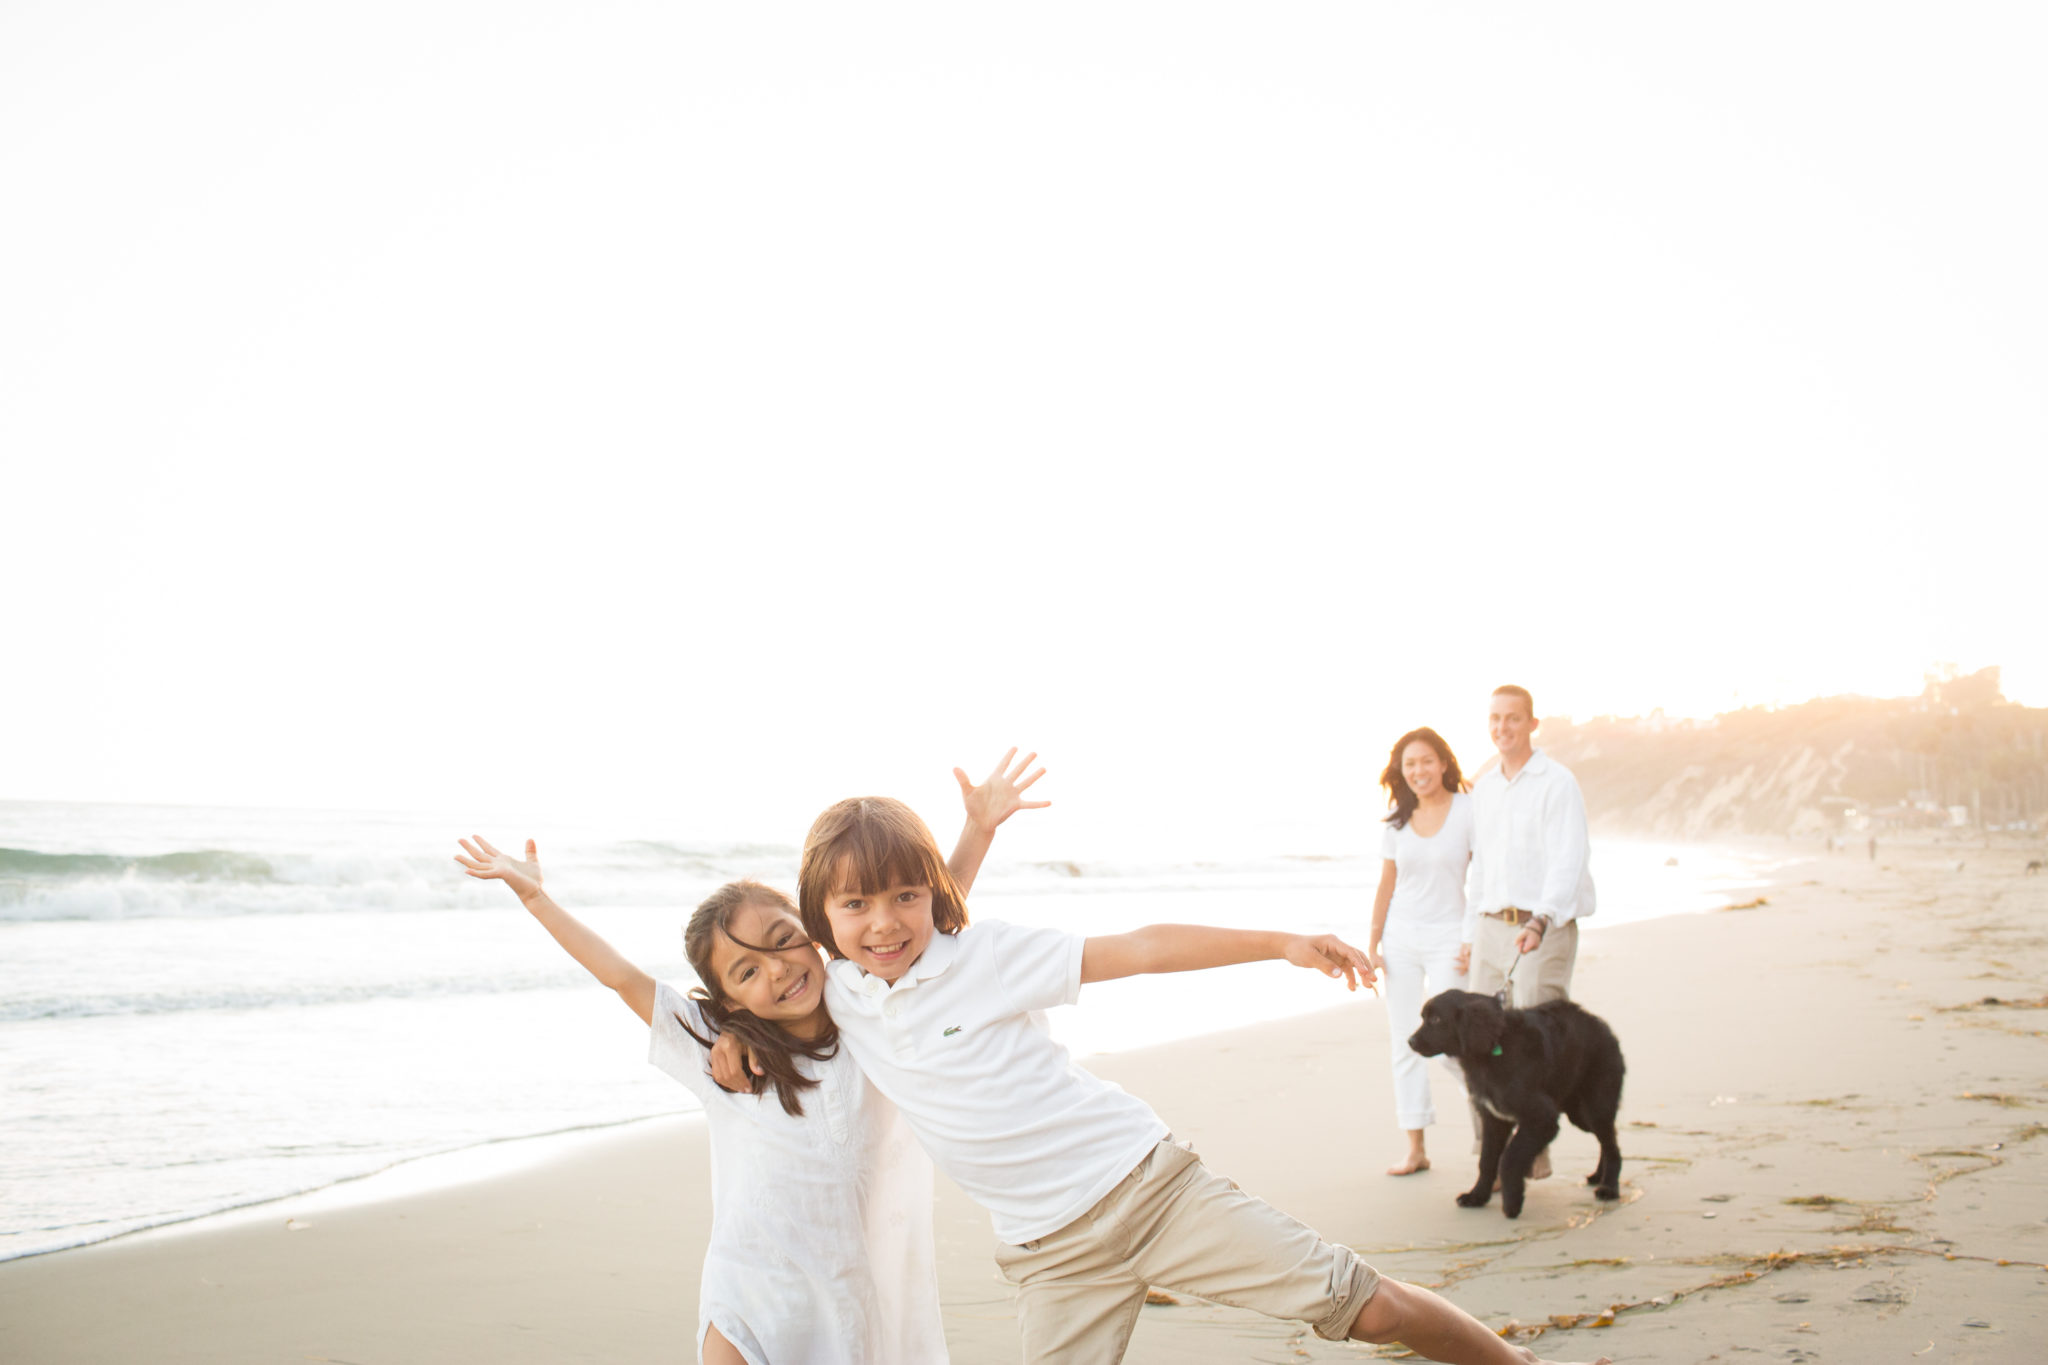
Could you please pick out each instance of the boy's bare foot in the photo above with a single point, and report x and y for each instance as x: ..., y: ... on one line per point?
x: 1539, y: 1169
x: 1436, y: 1329
x: 1409, y: 1165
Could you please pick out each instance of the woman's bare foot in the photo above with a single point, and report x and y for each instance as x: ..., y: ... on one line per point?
x: 1418, y: 1154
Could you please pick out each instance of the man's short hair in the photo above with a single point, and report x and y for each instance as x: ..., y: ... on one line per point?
x: 1510, y: 690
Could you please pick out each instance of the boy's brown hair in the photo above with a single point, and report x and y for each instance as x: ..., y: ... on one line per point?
x: 872, y: 843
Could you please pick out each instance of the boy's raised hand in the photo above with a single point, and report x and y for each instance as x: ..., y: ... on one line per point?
x: 732, y: 1067
x: 1332, y: 956
x: 487, y: 864
x: 1001, y: 794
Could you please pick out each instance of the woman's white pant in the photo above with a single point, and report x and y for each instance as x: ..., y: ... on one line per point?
x: 1413, y: 975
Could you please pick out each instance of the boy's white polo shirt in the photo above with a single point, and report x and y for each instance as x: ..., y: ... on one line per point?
x: 1002, y: 1108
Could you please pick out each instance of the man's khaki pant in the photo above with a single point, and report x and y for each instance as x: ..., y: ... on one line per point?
x: 1176, y: 1224
x: 1545, y: 974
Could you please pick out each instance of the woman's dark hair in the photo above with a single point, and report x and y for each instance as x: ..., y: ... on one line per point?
x: 774, y: 1048
x: 1397, y: 786
x: 871, y: 843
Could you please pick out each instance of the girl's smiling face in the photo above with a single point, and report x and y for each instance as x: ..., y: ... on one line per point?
x: 766, y: 965
x: 881, y: 932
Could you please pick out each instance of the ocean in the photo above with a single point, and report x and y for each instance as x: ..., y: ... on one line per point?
x: 203, y: 1009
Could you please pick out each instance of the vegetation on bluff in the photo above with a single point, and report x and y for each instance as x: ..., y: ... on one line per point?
x: 1834, y: 765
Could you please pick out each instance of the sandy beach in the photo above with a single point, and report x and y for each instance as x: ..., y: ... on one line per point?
x: 1835, y: 1136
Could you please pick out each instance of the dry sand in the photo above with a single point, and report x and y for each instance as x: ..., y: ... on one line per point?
x: 1834, y: 1150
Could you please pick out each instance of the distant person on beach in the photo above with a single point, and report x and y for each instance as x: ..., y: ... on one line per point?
x: 1418, y: 913
x: 1530, y: 884
x: 1873, y: 848
x: 1092, y: 1200
x: 821, y: 1222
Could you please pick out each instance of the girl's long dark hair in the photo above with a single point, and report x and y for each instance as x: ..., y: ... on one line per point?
x: 1397, y: 786
x: 774, y: 1048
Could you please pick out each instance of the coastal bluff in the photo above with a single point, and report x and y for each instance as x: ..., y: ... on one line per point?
x: 1958, y: 756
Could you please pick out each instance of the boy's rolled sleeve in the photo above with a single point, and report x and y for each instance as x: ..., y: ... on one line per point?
x: 1040, y: 968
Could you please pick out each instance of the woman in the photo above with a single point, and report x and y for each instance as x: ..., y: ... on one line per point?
x: 1418, y: 915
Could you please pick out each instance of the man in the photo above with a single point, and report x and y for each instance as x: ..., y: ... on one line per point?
x: 1529, y: 885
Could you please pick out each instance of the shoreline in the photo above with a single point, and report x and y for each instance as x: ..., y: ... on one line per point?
x: 1121, y: 1017
x: 1831, y: 1144
x: 405, y: 1178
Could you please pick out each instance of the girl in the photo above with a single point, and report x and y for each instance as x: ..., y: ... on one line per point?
x: 1418, y: 915
x: 1089, y: 1195
x: 821, y: 1229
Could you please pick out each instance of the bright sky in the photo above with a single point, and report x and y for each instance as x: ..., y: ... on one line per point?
x: 712, y: 410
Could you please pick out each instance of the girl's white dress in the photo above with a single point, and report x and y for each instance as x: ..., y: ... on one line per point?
x: 821, y: 1224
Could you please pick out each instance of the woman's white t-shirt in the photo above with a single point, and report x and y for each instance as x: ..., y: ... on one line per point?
x: 1428, y: 908
x: 821, y: 1223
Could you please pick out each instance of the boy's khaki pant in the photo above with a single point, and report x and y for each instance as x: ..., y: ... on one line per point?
x: 1176, y: 1224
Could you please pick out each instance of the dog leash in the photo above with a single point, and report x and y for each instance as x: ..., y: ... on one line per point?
x: 1505, y: 982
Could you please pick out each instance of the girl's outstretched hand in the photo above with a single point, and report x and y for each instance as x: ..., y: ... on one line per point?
x: 1332, y: 956
x: 1001, y: 794
x: 487, y: 864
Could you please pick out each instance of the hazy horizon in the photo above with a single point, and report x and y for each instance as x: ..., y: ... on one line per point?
x: 1086, y: 827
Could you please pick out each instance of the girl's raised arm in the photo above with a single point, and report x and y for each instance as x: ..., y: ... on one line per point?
x: 1192, y: 947
x: 578, y: 939
x: 1000, y: 796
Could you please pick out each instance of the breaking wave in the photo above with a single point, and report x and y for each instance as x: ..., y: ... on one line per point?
x: 36, y: 885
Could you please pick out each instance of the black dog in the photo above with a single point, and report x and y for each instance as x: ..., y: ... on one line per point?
x: 1522, y: 1068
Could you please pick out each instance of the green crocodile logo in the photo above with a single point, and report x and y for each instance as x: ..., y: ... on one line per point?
x: 951, y: 1031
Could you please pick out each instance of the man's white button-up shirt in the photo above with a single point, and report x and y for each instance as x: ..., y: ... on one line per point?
x: 1530, y: 847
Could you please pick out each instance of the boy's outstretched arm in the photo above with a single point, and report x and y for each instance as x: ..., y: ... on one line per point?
x: 1000, y: 796
x: 1192, y: 947
x: 578, y: 939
